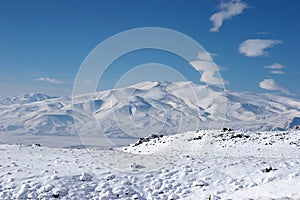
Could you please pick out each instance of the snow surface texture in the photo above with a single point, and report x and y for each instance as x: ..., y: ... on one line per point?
x: 209, y: 164
x: 146, y: 108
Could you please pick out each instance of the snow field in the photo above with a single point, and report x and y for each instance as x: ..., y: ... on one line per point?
x: 235, y: 165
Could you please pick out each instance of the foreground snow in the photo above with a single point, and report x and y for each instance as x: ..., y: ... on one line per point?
x: 193, y: 165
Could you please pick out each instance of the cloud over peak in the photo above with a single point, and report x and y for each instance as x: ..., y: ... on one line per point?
x: 49, y: 80
x: 208, y: 69
x: 256, y: 47
x: 270, y: 84
x: 228, y: 10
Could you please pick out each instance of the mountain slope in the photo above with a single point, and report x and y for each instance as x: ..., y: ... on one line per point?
x: 145, y: 108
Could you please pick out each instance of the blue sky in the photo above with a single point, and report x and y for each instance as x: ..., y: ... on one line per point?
x: 43, y: 43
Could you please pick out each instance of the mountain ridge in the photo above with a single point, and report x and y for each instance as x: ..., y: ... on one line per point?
x: 145, y: 108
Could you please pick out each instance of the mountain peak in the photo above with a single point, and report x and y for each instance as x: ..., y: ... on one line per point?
x: 26, y: 98
x: 148, y: 107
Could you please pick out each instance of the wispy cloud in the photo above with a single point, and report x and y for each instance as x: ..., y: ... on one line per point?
x: 200, y: 65
x: 208, y: 69
x: 228, y: 10
x: 212, y: 78
x: 270, y: 84
x: 206, y: 56
x: 256, y: 47
x: 275, y: 66
x: 49, y: 80
x: 261, y: 33
x: 277, y: 72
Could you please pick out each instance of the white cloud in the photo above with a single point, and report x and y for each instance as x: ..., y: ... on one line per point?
x: 228, y: 10
x: 275, y: 66
x: 261, y: 33
x: 256, y: 47
x: 212, y: 78
x: 200, y: 65
x: 49, y: 80
x: 208, y: 70
x: 277, y: 72
x: 270, y: 84
x: 207, y: 56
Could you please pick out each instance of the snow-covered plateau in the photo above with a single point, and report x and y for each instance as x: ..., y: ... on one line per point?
x: 203, y: 164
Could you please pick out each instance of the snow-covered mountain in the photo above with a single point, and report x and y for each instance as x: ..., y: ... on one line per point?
x: 27, y: 98
x: 145, y: 108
